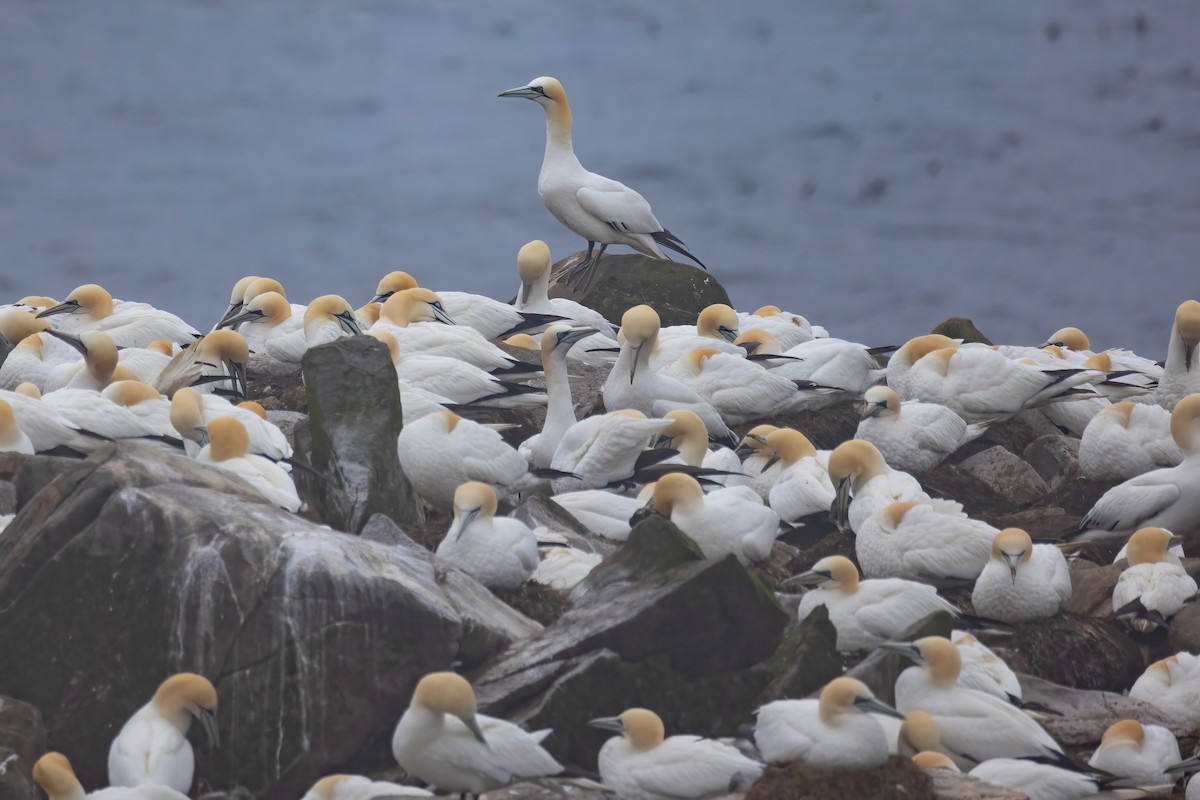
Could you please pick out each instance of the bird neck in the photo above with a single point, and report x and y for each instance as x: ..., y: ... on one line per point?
x: 538, y: 292
x: 692, y: 449
x: 558, y: 130
x: 560, y: 413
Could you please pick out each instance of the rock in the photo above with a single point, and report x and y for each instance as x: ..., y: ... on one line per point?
x: 314, y: 639
x: 1014, y: 434
x: 22, y: 742
x: 898, y: 779
x: 961, y: 328
x: 826, y: 428
x: 544, y: 789
x: 1082, y: 716
x: 1075, y: 651
x: 286, y: 422
x: 1007, y: 475
x: 654, y: 624
x: 276, y: 390
x: 1053, y: 457
x: 350, y: 439
x: 977, y: 496
x: 26, y: 475
x: 951, y: 785
x: 1092, y: 587
x: 677, y: 291
x: 806, y: 660
x: 8, y: 498
x: 1184, y: 631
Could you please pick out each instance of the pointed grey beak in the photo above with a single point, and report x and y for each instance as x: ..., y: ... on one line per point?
x: 749, y: 347
x: 841, y: 505
x: 523, y: 295
x: 74, y: 341
x: 906, y: 649
x: 234, y: 308
x: 439, y: 313
x: 607, y: 724
x: 727, y: 334
x: 809, y: 578
x: 348, y: 322
x: 203, y: 431
x: 208, y: 721
x: 871, y: 704
x: 521, y: 91
x: 771, y: 461
x: 637, y: 352
x: 872, y: 409
x: 1045, y: 344
x: 467, y: 519
x: 245, y: 316
x: 1174, y: 540
x: 1012, y: 559
x: 380, y: 298
x: 66, y: 307
x: 743, y: 450
x: 473, y: 726
x: 237, y: 373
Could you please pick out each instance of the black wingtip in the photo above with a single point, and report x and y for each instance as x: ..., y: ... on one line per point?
x: 672, y: 242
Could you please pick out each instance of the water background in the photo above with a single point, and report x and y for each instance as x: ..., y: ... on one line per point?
x: 877, y: 166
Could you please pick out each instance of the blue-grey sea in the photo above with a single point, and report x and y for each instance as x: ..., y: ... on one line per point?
x: 875, y: 165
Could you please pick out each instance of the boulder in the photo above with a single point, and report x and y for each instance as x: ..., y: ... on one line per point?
x: 897, y: 779
x: 1092, y: 587
x: 677, y: 291
x: 656, y: 625
x: 1075, y: 651
x: 951, y: 785
x: 1054, y: 457
x: 1080, y: 717
x: 350, y: 436
x: 961, y: 328
x: 137, y: 564
x: 1007, y: 475
x: 22, y: 742
x: 1184, y: 630
x: 826, y: 427
x: 1014, y: 434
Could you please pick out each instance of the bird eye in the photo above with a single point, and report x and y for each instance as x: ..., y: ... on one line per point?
x: 538, y: 89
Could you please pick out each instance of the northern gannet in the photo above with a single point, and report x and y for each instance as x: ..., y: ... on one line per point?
x: 1154, y: 586
x: 90, y: 411
x: 12, y: 438
x: 788, y: 329
x: 236, y: 299
x: 1042, y: 781
x: 982, y: 669
x: 265, y: 317
x: 441, y: 740
x: 1172, y: 685
x: 914, y: 435
x: 228, y: 443
x: 928, y: 759
x: 147, y: 363
x: 46, y: 427
x: 533, y: 267
x: 25, y: 363
x: 715, y: 328
x: 801, y: 486
x: 603, y: 512
x: 152, y: 746
x: 848, y: 366
x: 356, y: 787
x: 642, y: 764
x: 971, y: 722
x: 190, y: 413
x: 54, y: 774
x: 708, y: 519
x: 869, y: 612
x: 326, y: 319
x: 1126, y: 440
x: 923, y: 540
x: 632, y: 383
x: 1162, y: 498
x: 857, y: 468
x: 597, y: 208
x: 1181, y: 373
x: 17, y: 323
x: 901, y: 362
x: 603, y: 449
x: 564, y: 567
x: 687, y: 434
x: 90, y: 307
x: 499, y: 552
x: 1022, y: 581
x: 833, y: 732
x: 146, y: 403
x: 98, y: 368
x: 757, y: 458
x: 216, y: 364
x: 1130, y: 749
x: 556, y: 344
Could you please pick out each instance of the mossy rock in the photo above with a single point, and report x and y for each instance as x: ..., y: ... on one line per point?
x: 961, y: 328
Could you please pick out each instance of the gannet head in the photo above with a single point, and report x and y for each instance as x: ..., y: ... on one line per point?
x: 718, y: 321
x: 639, y: 326
x: 98, y: 351
x: 473, y: 500
x: 544, y: 91
x: 391, y: 283
x: 267, y: 308
x: 407, y: 306
x: 162, y: 346
x: 1161, y: 669
x: 130, y: 393
x: 562, y: 338
x: 843, y: 695
x: 918, y: 347
x: 928, y: 759
x: 533, y: 262
x: 88, y: 299
x: 1070, y: 338
x: 1100, y: 361
x: 756, y: 341
x: 16, y: 325
x: 334, y: 307
x: 1118, y: 412
x: 31, y: 344
x: 1012, y: 547
x: 189, y: 693
x: 8, y: 422
x: 936, y: 653
x: 54, y: 774
x: 880, y: 401
x: 229, y: 349
x: 755, y: 440
x: 676, y: 490
x: 687, y: 434
x: 368, y: 313
x: 254, y: 408
x: 920, y: 731
x: 1183, y: 423
x: 448, y: 693
x: 237, y: 298
x: 325, y: 787
x: 694, y: 360
x: 36, y: 301
x: 27, y: 389
x: 851, y: 464
x: 1187, y: 328
x: 1124, y: 733
x: 260, y: 286
x: 768, y: 311
x: 523, y: 341
x: 447, y: 419
x: 831, y: 572
x: 227, y: 439
x: 393, y: 346
x: 642, y: 727
x: 1150, y: 545
x: 790, y: 445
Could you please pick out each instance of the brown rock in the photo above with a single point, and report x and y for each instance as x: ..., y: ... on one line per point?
x: 1054, y: 457
x: 1008, y: 476
x: 961, y: 328
x: 1080, y: 652
x: 898, y: 779
x: 1092, y: 587
x: 22, y: 742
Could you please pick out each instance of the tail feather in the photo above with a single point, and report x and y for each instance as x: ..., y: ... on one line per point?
x: 672, y: 242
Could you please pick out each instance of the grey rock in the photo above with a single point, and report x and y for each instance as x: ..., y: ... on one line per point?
x: 1007, y: 475
x: 313, y: 638
x: 951, y: 785
x: 8, y: 498
x: 1054, y: 457
x: 22, y: 742
x: 286, y: 422
x: 677, y: 291
x: 1083, y: 715
x: 350, y: 439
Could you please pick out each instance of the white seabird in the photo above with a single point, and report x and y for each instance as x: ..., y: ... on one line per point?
x: 533, y: 266
x: 1172, y: 685
x: 90, y: 307
x: 54, y: 774
x: 913, y: 436
x: 923, y: 540
x: 848, y: 366
x: 227, y: 450
x: 499, y: 552
x: 1022, y: 581
x: 801, y: 486
x: 1154, y: 586
x: 12, y: 438
x: 1133, y: 750
x: 603, y: 449
x: 356, y: 787
x: 1181, y: 373
x: 597, y: 208
x: 1126, y: 440
x: 706, y: 519
x: 982, y: 669
x: 556, y: 345
x: 716, y: 328
x: 857, y: 468
x: 688, y: 435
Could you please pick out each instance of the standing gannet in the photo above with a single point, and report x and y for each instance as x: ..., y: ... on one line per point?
x: 982, y: 669
x: 441, y: 740
x: 1163, y: 498
x: 632, y: 383
x: 912, y: 436
x: 533, y: 266
x: 98, y: 368
x: 1172, y: 685
x: 356, y: 787
x: 441, y: 451
x: 92, y: 308
x: 971, y: 722
x: 1154, y: 586
x: 152, y: 746
x: 731, y: 520
x: 500, y: 553
x: 53, y: 772
x: 12, y: 438
x: 215, y: 364
x: 687, y: 434
x: 557, y: 342
x: 801, y: 486
x: 869, y: 612
x: 857, y: 468
x: 603, y: 450
x: 597, y: 208
x: 833, y: 732
x: 226, y: 450
x: 1022, y: 581
x: 1181, y: 373
x: 1126, y: 440
x: 641, y: 764
x: 923, y: 540
x: 1130, y: 749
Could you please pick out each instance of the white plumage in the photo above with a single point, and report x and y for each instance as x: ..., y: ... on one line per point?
x: 1022, y: 581
x: 499, y: 552
x: 1126, y: 440
x: 857, y: 468
x: 1037, y: 781
x: 1172, y: 685
x: 923, y: 540
x: 356, y: 787
x: 1133, y: 750
x: 1181, y: 372
x: 603, y: 449
x: 731, y: 520
x: 1155, y: 585
x: 913, y: 435
x: 606, y: 513
x: 982, y: 669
